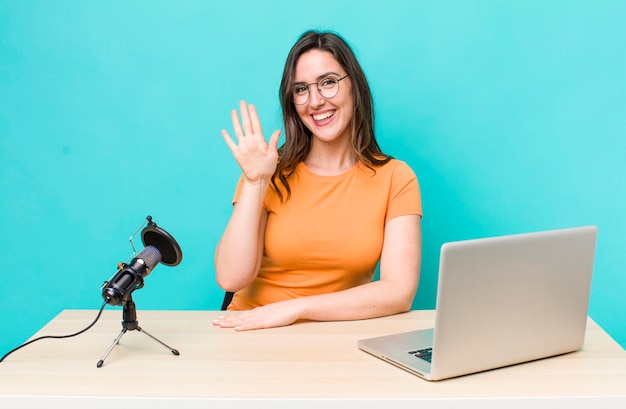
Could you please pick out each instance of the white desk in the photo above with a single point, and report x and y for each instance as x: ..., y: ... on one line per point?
x: 310, y: 364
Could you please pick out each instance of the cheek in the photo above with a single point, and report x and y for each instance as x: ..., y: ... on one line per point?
x: 350, y: 99
x: 346, y: 100
x: 301, y: 111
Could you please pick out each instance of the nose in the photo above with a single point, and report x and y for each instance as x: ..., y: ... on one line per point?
x: 315, y: 98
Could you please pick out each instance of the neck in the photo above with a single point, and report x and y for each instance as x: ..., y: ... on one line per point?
x: 329, y: 162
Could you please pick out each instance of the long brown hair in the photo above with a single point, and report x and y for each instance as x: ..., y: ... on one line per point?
x: 298, y: 137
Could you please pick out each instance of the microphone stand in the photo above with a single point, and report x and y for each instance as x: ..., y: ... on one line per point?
x: 129, y: 322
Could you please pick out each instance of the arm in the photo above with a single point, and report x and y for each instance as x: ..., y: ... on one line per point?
x: 393, y: 293
x: 238, y: 254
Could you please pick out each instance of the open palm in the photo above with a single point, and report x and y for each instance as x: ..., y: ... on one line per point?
x: 256, y: 157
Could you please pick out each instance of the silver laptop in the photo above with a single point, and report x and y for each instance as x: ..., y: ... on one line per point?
x: 500, y: 301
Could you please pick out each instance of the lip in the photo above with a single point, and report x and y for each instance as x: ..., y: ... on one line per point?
x: 323, y: 117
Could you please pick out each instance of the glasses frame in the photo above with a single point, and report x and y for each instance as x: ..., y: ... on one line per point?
x: 308, y: 88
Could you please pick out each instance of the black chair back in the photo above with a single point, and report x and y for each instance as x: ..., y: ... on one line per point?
x: 228, y: 297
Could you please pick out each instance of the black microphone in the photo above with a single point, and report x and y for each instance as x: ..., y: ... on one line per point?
x: 160, y: 247
x: 130, y: 276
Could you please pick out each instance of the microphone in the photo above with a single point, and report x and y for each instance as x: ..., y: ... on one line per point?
x: 161, y: 247
x: 130, y: 276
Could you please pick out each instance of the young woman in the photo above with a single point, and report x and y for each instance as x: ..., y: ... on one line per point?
x: 313, y: 218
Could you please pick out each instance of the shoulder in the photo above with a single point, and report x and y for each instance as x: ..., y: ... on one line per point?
x: 393, y: 169
x: 400, y: 166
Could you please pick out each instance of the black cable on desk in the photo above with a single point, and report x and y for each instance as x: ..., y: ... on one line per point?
x: 57, y: 336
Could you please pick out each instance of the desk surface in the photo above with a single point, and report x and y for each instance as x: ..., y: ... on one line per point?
x: 308, y: 360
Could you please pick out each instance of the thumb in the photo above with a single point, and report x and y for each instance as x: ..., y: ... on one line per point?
x: 273, y: 142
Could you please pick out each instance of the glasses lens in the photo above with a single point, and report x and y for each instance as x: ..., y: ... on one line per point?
x: 328, y: 87
x: 300, y: 94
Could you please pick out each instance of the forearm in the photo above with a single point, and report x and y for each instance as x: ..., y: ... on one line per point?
x: 238, y: 254
x: 375, y: 299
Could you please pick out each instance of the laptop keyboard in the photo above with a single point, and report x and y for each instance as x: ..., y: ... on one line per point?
x: 425, y: 354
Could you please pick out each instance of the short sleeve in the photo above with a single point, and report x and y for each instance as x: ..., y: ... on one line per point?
x: 404, y: 195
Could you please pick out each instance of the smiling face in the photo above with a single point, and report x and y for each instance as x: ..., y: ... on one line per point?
x: 327, y: 118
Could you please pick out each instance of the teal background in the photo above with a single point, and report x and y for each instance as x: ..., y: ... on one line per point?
x: 512, y: 113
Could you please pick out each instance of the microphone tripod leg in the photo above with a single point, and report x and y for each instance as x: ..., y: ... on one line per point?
x: 115, y: 342
x: 172, y: 350
x: 129, y: 322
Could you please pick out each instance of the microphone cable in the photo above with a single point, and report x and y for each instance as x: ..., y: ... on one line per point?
x: 57, y: 336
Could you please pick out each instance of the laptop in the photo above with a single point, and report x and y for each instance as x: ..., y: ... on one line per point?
x: 500, y: 301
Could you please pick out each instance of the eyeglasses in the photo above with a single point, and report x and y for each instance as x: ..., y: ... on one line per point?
x: 328, y: 87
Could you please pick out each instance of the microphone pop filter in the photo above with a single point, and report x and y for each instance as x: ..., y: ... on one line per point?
x: 153, y: 235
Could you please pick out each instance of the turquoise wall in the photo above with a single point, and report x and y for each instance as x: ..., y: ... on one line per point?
x: 512, y: 113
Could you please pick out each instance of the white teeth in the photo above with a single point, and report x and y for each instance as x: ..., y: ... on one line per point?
x: 323, y: 116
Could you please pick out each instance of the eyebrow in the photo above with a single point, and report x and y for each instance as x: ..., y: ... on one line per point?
x: 327, y: 74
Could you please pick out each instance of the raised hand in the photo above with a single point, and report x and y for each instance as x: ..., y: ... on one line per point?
x: 256, y: 157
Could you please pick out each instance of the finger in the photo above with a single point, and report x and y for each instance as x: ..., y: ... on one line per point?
x: 254, y: 120
x: 245, y: 118
x: 229, y: 141
x: 224, y: 322
x: 236, y: 124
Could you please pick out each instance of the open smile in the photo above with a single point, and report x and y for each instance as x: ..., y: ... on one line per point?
x: 323, y: 117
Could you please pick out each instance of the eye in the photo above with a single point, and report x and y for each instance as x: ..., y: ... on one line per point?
x: 328, y: 82
x: 300, y: 89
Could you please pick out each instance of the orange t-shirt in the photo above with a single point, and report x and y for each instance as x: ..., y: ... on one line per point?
x: 328, y: 236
